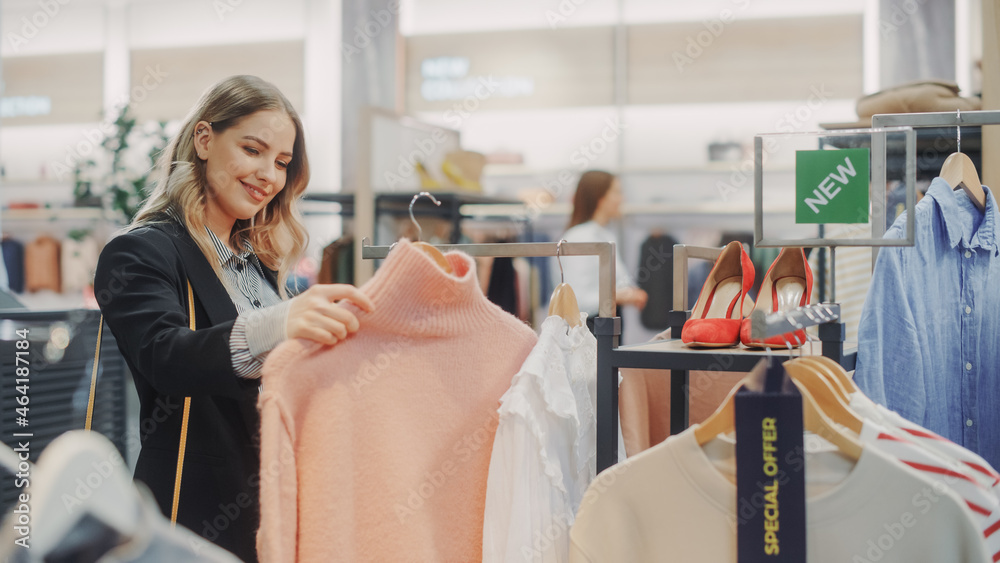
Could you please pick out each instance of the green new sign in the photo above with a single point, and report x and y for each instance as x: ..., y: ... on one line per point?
x: 831, y: 186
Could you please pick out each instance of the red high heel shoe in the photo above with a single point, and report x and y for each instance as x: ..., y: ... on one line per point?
x: 788, y: 284
x: 723, y: 302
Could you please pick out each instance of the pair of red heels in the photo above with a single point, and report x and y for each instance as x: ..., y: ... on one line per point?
x: 721, y: 316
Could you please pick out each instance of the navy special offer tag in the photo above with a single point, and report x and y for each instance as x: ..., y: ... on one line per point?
x: 770, y: 478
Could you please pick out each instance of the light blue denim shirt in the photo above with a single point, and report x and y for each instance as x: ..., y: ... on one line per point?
x: 929, y: 336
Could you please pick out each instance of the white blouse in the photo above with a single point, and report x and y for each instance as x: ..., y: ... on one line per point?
x: 544, y: 452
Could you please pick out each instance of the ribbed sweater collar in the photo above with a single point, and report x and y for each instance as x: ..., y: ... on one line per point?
x: 413, y: 296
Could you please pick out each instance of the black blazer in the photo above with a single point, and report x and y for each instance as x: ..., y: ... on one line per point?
x: 141, y: 289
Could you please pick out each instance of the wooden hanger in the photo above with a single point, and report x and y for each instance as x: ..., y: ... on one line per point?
x: 827, y: 398
x: 826, y: 373
x: 723, y: 420
x: 429, y: 250
x: 563, y: 302
x: 836, y: 371
x: 959, y: 171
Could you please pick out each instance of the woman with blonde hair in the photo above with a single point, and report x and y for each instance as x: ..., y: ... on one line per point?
x: 220, y: 231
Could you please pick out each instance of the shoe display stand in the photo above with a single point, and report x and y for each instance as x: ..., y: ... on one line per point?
x: 673, y: 355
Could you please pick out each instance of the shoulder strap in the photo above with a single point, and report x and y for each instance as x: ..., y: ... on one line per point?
x: 184, y: 419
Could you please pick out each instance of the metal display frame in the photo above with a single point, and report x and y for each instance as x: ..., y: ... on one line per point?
x: 876, y: 196
x: 932, y: 119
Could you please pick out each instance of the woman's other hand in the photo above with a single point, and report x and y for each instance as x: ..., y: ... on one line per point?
x: 632, y: 296
x: 315, y: 314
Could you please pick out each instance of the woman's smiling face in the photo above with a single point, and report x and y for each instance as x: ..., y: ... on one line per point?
x: 246, y: 166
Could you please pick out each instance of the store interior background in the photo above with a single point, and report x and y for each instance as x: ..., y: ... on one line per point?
x: 647, y: 89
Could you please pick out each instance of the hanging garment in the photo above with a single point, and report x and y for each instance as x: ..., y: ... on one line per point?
x: 677, y: 502
x: 544, y: 453
x: 985, y: 474
x: 656, y: 278
x: 13, y: 259
x: 94, y: 512
x: 927, y: 340
x: 377, y: 449
x: 502, y: 288
x: 41, y: 264
x: 944, y: 473
x: 78, y: 261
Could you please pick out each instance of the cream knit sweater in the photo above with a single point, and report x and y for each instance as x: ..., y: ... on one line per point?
x: 378, y: 448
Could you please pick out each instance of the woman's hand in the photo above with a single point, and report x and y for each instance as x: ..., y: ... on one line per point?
x: 632, y: 296
x: 315, y: 315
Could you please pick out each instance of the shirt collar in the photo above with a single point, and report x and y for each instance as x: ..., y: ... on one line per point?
x: 225, y: 254
x: 987, y: 235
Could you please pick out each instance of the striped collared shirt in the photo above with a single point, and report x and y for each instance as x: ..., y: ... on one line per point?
x: 262, y: 314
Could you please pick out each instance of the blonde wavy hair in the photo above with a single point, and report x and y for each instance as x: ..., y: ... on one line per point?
x: 181, y: 185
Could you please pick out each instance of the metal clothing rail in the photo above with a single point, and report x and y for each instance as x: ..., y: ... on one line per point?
x: 605, y: 252
x: 932, y: 119
x: 937, y: 119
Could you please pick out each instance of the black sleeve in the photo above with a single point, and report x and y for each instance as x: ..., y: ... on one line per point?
x: 142, y: 293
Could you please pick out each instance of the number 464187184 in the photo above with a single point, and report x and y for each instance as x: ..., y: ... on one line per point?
x: 22, y: 372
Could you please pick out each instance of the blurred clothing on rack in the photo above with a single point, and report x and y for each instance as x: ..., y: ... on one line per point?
x: 78, y: 261
x: 337, y: 263
x: 656, y: 278
x: 41, y: 265
x: 13, y: 259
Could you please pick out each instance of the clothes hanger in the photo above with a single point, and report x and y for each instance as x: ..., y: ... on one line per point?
x: 826, y: 373
x: 836, y: 371
x: 959, y: 171
x: 563, y: 302
x: 434, y: 253
x: 827, y: 398
x: 723, y: 420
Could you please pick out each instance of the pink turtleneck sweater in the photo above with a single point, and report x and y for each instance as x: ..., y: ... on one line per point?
x: 378, y: 448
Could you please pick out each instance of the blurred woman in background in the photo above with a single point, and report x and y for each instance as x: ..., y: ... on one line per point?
x: 596, y: 203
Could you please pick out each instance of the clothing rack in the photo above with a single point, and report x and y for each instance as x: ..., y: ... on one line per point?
x: 656, y: 355
x: 605, y: 252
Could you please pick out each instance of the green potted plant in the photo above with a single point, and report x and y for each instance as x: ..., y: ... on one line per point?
x: 124, y: 173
